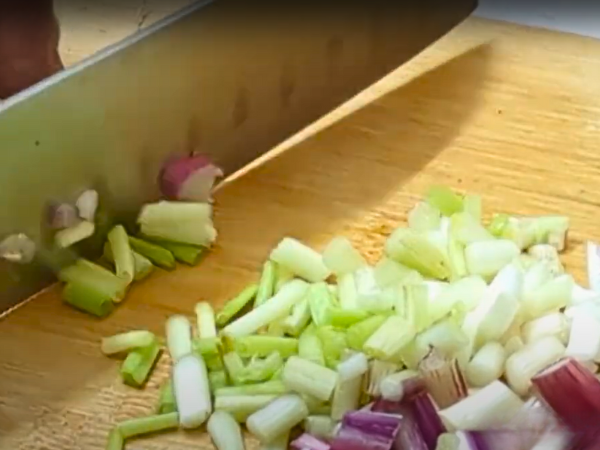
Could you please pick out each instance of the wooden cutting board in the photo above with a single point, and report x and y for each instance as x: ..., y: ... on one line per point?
x: 508, y: 112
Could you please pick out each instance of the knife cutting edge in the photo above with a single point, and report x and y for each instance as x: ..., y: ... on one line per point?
x: 231, y: 79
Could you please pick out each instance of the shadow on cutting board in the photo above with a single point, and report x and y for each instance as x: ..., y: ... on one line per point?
x: 309, y: 191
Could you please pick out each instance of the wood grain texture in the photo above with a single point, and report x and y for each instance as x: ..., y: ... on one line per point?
x: 501, y: 110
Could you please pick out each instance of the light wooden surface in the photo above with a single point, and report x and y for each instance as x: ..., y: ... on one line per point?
x: 496, y: 109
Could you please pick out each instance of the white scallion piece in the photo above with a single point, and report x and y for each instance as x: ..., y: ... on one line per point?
x: 584, y: 339
x: 521, y: 366
x: 70, y: 236
x: 582, y: 295
x: 277, y: 418
x: 225, y: 432
x: 493, y: 405
x: 319, y: 426
x: 593, y: 266
x: 467, y: 291
x: 553, y: 324
x: 486, y: 258
x: 486, y: 365
x: 125, y: 342
x: 354, y: 366
x: 205, y: 317
x: 392, y: 387
x: 346, y: 397
x: 424, y: 217
x: 192, y: 391
x: 548, y: 254
x: 341, y: 257
x: 378, y: 370
x: 301, y: 260
x: 179, y: 336
x: 389, y: 272
x: 591, y: 308
x: 86, y: 205
x: 277, y: 307
x: 445, y: 336
x: 513, y: 345
x: 307, y: 377
x: 536, y: 276
x: 368, y: 291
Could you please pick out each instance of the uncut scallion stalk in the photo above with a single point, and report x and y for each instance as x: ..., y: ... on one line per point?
x: 443, y: 378
x: 150, y: 424
x: 166, y: 399
x: 235, y: 305
x: 310, y: 346
x: 224, y: 431
x: 273, y: 387
x: 306, y: 377
x: 242, y: 406
x: 160, y: 257
x: 205, y: 317
x: 261, y: 345
x: 125, y: 342
x: 179, y: 336
x: 115, y: 440
x: 274, y: 308
x: 121, y: 251
x: 266, y: 286
x: 277, y: 418
x: 136, y: 368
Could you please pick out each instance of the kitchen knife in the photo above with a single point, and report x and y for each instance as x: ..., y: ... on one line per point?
x: 227, y: 78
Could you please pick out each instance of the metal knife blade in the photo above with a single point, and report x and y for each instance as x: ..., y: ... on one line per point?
x: 228, y: 78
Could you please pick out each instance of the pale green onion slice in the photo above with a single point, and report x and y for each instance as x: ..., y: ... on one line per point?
x: 298, y: 319
x: 242, y: 406
x: 359, y: 333
x: 179, y: 336
x: 260, y: 369
x: 224, y: 431
x: 522, y: 365
x: 487, y: 365
x: 487, y: 258
x: 139, y: 363
x: 205, y: 317
x: 320, y: 302
x: 272, y: 387
x: 273, y: 309
x: 125, y: 342
x: 347, y: 292
x: 467, y: 230
x: 277, y: 418
x: 310, y: 346
x: 346, y: 396
x: 341, y: 257
x: 388, y: 272
x: 263, y: 345
x: 334, y: 343
x: 551, y: 296
x: 553, y: 324
x: 424, y: 217
x: 150, y: 424
x: 320, y: 426
x: 235, y: 305
x: 306, y: 377
x: 301, y: 260
x: 445, y: 200
x: 390, y: 338
x: 122, y: 254
x: 266, y: 286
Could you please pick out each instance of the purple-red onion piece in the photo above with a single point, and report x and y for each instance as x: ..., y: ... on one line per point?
x: 18, y: 248
x: 572, y: 391
x: 87, y: 204
x: 427, y: 419
x: 189, y: 178
x: 308, y: 442
x: 62, y: 215
x: 363, y: 430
